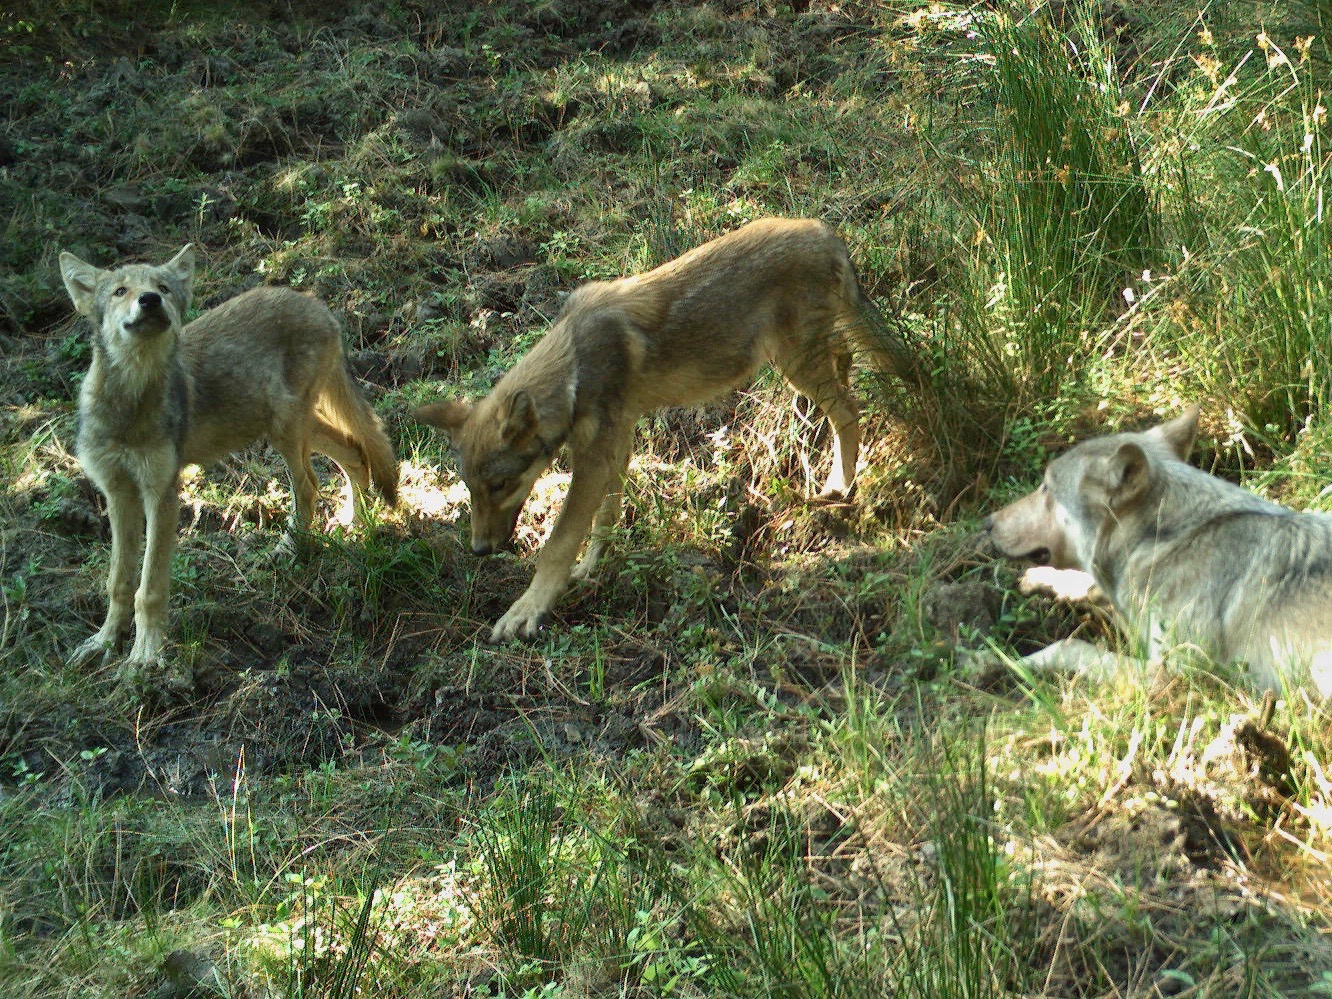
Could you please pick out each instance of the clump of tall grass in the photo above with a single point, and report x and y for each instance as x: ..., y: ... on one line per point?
x: 772, y: 922
x: 1134, y: 234
x: 554, y: 895
x: 1247, y: 178
x: 1070, y: 212
x: 769, y: 929
x: 1056, y: 212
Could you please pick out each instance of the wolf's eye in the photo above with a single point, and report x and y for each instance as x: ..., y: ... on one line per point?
x: 119, y: 292
x: 501, y: 487
x: 164, y: 289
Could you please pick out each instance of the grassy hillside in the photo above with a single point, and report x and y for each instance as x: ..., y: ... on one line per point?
x: 759, y: 754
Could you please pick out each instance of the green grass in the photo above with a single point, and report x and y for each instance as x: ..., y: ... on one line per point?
x: 749, y: 758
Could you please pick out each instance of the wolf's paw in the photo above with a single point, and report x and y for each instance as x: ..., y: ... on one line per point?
x: 522, y: 620
x: 156, y: 678
x: 1073, y: 655
x: 94, y: 648
x: 584, y: 570
x: 834, y: 493
x: 1064, y: 585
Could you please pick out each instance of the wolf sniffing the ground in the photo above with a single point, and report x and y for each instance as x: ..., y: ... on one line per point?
x: 1186, y: 558
x: 159, y: 396
x: 777, y: 290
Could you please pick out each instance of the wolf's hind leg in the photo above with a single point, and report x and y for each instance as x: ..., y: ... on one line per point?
x: 355, y: 473
x: 822, y: 373
x: 295, y: 450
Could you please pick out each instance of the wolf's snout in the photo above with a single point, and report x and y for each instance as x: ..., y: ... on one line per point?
x: 148, y: 315
x: 1014, y: 540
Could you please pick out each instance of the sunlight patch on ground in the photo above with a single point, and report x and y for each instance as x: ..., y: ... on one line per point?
x: 435, y: 495
x: 431, y: 493
x: 542, y: 509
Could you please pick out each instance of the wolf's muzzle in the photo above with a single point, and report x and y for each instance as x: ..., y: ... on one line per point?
x: 488, y: 545
x: 151, y: 317
x: 1040, y: 555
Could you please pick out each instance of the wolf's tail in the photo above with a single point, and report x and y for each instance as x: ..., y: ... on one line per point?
x: 345, y: 410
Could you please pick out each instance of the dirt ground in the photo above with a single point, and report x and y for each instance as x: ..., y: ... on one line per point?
x: 241, y: 137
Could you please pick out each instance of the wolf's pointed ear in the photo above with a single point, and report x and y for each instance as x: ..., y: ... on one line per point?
x: 1180, y: 433
x: 447, y: 416
x: 520, y: 422
x: 181, y: 267
x: 80, y: 281
x: 1128, y: 474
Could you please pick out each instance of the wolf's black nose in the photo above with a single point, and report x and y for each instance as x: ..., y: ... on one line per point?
x: 150, y: 300
x: 482, y: 548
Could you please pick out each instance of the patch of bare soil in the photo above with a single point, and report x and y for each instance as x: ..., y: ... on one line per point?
x: 287, y: 667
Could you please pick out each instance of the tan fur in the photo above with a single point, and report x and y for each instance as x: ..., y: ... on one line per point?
x: 1187, y: 559
x: 777, y: 290
x: 159, y: 396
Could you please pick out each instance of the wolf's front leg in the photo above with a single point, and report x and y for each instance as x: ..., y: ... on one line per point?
x: 126, y: 515
x: 1073, y: 655
x: 591, y: 477
x: 150, y: 603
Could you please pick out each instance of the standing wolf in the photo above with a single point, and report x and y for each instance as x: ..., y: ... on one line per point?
x: 777, y: 290
x: 1186, y: 558
x: 160, y: 396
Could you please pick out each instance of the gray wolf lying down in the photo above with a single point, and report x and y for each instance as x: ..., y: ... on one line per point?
x: 1184, y: 557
